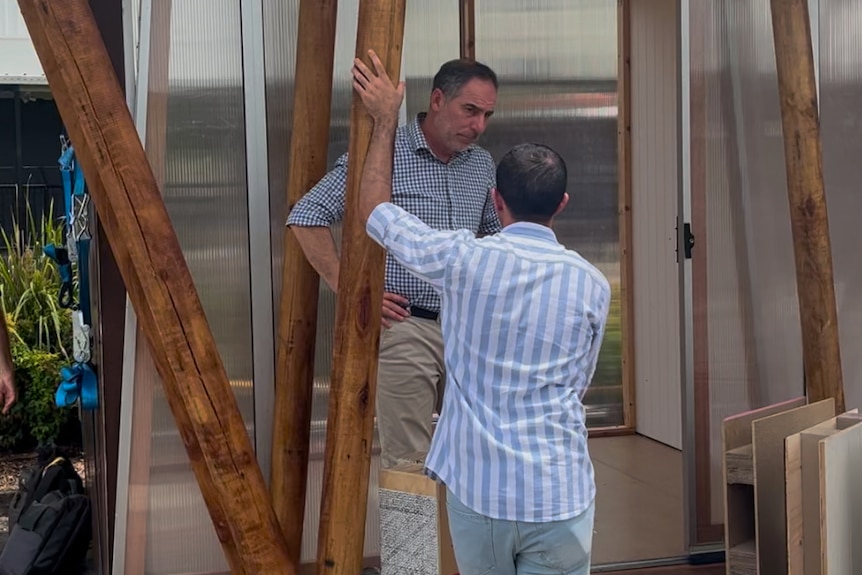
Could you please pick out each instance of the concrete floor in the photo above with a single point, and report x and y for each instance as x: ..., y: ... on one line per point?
x: 639, y: 509
x: 639, y: 500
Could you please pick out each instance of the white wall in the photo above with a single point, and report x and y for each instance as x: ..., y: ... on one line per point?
x: 18, y: 61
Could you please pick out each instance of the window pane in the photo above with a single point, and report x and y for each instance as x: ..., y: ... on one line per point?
x: 557, y: 66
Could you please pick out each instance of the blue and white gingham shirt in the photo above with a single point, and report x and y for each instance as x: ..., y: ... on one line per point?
x: 523, y: 320
x: 446, y: 196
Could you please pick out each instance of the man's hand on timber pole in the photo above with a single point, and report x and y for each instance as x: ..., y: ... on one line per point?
x: 381, y: 98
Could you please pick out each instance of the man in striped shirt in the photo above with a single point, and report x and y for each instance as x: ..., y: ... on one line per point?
x: 523, y: 320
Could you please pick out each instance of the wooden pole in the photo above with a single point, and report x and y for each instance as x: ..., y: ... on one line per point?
x: 624, y: 208
x: 160, y: 285
x: 467, y: 25
x: 349, y: 434
x: 800, y: 121
x: 297, y: 327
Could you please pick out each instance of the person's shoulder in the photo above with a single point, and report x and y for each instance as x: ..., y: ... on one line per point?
x: 484, y: 156
x: 584, y: 266
x: 402, y: 136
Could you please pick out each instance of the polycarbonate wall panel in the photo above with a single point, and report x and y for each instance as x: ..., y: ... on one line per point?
x: 747, y: 341
x: 557, y: 65
x: 841, y: 125
x: 431, y: 37
x: 204, y: 173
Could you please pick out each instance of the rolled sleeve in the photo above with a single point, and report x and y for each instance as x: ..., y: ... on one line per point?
x: 420, y: 249
x: 490, y: 221
x: 323, y: 205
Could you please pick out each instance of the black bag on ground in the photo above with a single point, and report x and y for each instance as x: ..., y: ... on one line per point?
x: 53, y: 529
x: 58, y: 475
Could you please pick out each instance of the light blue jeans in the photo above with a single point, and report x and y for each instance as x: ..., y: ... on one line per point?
x: 484, y: 545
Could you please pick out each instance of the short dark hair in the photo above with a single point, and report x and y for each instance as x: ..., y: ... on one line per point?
x: 531, y: 179
x: 454, y: 74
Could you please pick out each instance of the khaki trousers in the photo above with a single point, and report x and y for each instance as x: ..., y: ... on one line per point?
x: 410, y: 381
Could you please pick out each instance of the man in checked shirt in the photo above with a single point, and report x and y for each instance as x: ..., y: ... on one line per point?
x: 444, y: 178
x: 523, y: 320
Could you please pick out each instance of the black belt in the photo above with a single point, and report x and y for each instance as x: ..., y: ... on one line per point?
x: 423, y: 313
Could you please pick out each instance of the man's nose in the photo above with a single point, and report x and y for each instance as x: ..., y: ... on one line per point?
x: 480, y: 122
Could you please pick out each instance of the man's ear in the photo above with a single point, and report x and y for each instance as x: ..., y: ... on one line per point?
x: 562, y: 205
x: 499, y: 204
x: 438, y: 99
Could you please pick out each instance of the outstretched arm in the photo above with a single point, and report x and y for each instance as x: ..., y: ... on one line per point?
x: 414, y: 245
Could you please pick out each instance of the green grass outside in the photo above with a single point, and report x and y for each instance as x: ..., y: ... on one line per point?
x: 606, y: 388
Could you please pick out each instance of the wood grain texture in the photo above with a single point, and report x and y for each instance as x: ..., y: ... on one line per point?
x: 809, y: 503
x: 297, y: 325
x: 740, y: 465
x: 793, y: 498
x: 809, y: 224
x: 740, y: 520
x: 624, y: 209
x: 467, y: 25
x: 160, y: 285
x: 349, y: 433
x: 768, y: 439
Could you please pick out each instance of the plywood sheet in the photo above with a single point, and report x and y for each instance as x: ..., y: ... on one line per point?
x: 739, y: 506
x: 737, y: 428
x: 841, y: 501
x: 740, y: 465
x: 793, y: 502
x: 809, y: 455
x: 768, y: 435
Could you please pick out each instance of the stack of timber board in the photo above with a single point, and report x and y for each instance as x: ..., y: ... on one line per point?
x: 824, y: 497
x: 793, y: 490
x: 414, y: 524
x: 754, y: 496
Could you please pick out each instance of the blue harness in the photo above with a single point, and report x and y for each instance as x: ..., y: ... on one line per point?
x: 79, y: 381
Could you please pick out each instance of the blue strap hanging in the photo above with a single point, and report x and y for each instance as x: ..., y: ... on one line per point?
x: 61, y: 258
x: 78, y: 381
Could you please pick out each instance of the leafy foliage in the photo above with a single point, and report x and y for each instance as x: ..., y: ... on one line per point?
x: 40, y: 334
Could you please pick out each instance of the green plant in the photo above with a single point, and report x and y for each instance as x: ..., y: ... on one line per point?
x: 30, y: 285
x: 609, y: 368
x: 40, y: 333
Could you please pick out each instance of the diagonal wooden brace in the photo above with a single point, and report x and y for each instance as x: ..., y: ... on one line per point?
x: 160, y: 285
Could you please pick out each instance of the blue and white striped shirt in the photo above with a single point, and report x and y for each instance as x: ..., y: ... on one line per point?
x: 523, y: 320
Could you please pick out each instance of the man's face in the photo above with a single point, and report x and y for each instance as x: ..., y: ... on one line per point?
x: 460, y: 120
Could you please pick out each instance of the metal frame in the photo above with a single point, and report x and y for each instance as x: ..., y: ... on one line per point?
x: 685, y: 273
x: 685, y: 266
x: 260, y: 246
x: 137, y: 82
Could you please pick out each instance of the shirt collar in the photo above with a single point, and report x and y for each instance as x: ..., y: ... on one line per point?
x: 418, y: 142
x: 532, y: 231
